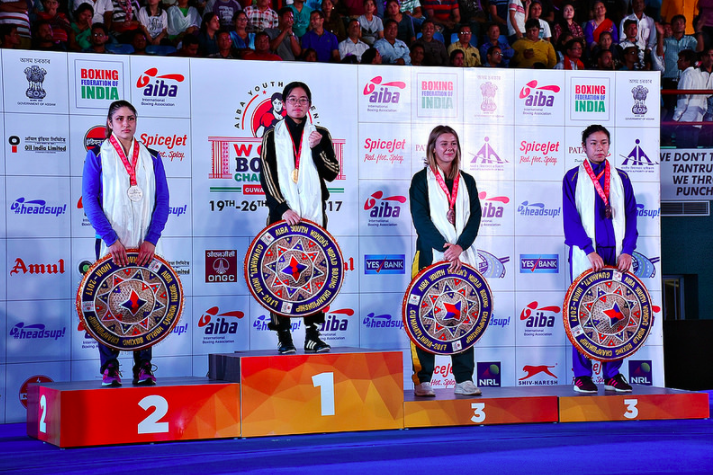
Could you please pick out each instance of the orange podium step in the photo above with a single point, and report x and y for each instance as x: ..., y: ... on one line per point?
x: 348, y: 389
x: 82, y: 413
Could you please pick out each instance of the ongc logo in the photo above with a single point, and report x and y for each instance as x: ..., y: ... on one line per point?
x: 543, y: 316
x: 159, y: 88
x: 221, y: 325
x: 380, y: 207
x: 385, y: 93
x: 492, y: 207
x: 535, y: 96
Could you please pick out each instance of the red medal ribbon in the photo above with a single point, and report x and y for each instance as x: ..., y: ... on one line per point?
x: 603, y: 193
x: 130, y: 167
x: 295, y: 150
x: 451, y: 198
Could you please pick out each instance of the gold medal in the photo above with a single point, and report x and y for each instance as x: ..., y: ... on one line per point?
x: 295, y: 175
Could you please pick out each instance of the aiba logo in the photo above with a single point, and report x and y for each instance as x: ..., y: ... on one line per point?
x: 336, y: 320
x: 157, y: 85
x: 373, y: 320
x: 380, y: 92
x: 262, y: 323
x: 25, y: 206
x: 492, y: 208
x: 541, y: 375
x: 640, y: 372
x: 32, y: 380
x: 488, y: 374
x: 538, y: 209
x: 644, y: 267
x: 539, y: 263
x: 539, y: 321
x: 536, y: 96
x: 384, y: 264
x: 221, y: 266
x: 487, y: 159
x: 491, y: 267
x: 36, y: 331
x: 383, y: 209
x: 37, y: 269
x: 214, y: 323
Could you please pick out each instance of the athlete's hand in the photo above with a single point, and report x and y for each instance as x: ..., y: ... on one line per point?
x: 624, y: 262
x: 452, y: 251
x: 291, y: 217
x: 455, y: 266
x: 314, y: 138
x: 146, y: 252
x: 118, y: 253
x: 596, y: 261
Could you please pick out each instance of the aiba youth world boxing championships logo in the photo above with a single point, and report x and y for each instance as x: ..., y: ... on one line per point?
x: 237, y: 159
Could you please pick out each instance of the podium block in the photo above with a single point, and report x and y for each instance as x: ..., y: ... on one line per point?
x: 495, y: 406
x: 644, y: 403
x: 348, y: 389
x: 80, y: 414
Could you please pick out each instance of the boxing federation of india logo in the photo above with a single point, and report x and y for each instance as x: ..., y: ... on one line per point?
x: 609, y: 314
x: 294, y: 270
x: 35, y: 78
x: 491, y: 267
x: 238, y: 158
x: 447, y: 313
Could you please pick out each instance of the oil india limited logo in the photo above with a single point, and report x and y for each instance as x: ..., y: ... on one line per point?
x: 237, y: 159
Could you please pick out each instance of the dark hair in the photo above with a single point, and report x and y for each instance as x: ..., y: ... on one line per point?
x: 676, y: 17
x: 318, y: 12
x: 568, y: 45
x: 417, y: 45
x: 237, y: 14
x: 294, y: 85
x: 189, y: 40
x: 630, y: 22
x: 594, y: 128
x: 284, y: 11
x: 80, y: 9
x: 97, y: 25
x: 492, y: 49
x: 427, y: 21
x: 390, y: 21
x: 115, y: 106
x: 223, y: 31
x: 490, y: 25
x: 531, y: 23
x: 368, y: 56
x: 364, y: 2
x: 606, y: 33
x: 393, y: 1
x: 36, y: 25
x: 455, y: 53
x: 276, y: 95
x: 259, y: 34
x: 687, y: 54
x: 349, y: 23
x: 305, y: 52
x: 206, y: 19
x: 561, y: 21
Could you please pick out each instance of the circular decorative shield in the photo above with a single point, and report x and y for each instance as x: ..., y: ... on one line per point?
x: 608, y: 314
x: 294, y: 271
x: 447, y: 313
x: 132, y: 307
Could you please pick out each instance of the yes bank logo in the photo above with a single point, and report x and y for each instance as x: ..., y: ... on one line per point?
x: 539, y: 263
x: 384, y: 264
x: 373, y: 320
x: 640, y: 372
x: 488, y: 374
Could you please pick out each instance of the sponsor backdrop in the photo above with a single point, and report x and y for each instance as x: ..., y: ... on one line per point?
x: 520, y: 132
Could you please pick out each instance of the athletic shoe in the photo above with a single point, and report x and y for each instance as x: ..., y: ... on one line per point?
x: 584, y: 384
x: 313, y: 344
x: 617, y: 383
x: 424, y: 390
x: 143, y: 375
x: 467, y: 388
x: 284, y: 343
x: 111, y: 376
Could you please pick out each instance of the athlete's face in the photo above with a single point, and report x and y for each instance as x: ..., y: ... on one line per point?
x: 446, y: 149
x: 596, y: 147
x: 297, y: 104
x: 123, y: 123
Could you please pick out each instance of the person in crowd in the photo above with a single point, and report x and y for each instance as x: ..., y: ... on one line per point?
x: 474, y: 13
x: 406, y: 32
x: 531, y: 49
x: 103, y: 9
x: 413, y: 9
x: 301, y: 13
x: 492, y: 38
x: 242, y: 40
x: 124, y: 19
x: 81, y: 28
x: 98, y: 39
x: 446, y: 213
x: 262, y: 49
x: 189, y: 47
x: 139, y: 42
x: 572, y: 57
x: 283, y: 40
x: 17, y: 12
x: 536, y: 13
x: 226, y: 9
x: 704, y: 23
x: 498, y: 10
x: 372, y: 28
x: 518, y: 14
x: 418, y: 53
x: 333, y: 22
x: 689, y: 107
x: 606, y: 43
x: 445, y: 14
x: 670, y: 9
x: 353, y: 46
x: 605, y: 61
x: 309, y: 55
x: 435, y: 50
x: 261, y: 16
x: 471, y: 55
x: 154, y: 22
x: 297, y: 160
x: 631, y: 59
x: 125, y: 198
x: 322, y: 41
x: 9, y: 37
x: 598, y: 24
x: 371, y: 56
x: 494, y: 58
x: 183, y: 20
x: 44, y: 37
x: 567, y: 22
x: 456, y: 58
x: 207, y: 40
x: 392, y: 49
x: 57, y: 20
x: 599, y: 216
x: 560, y: 48
x: 645, y: 29
x: 225, y: 45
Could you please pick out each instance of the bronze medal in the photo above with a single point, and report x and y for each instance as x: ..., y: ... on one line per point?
x: 451, y: 216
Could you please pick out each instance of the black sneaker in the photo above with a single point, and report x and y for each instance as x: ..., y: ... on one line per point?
x: 284, y: 343
x: 617, y: 383
x: 143, y: 374
x: 584, y: 384
x: 313, y: 344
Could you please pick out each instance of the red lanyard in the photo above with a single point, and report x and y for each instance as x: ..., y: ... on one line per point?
x: 130, y: 167
x: 603, y: 193
x: 297, y: 151
x: 451, y: 198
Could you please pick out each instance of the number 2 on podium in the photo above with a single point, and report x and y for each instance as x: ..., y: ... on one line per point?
x: 325, y: 383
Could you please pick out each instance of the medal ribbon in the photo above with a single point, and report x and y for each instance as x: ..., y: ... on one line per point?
x: 297, y: 151
x: 603, y: 194
x: 442, y: 184
x: 130, y: 167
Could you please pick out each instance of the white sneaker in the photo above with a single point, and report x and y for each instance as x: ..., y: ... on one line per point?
x: 424, y: 390
x: 467, y: 388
